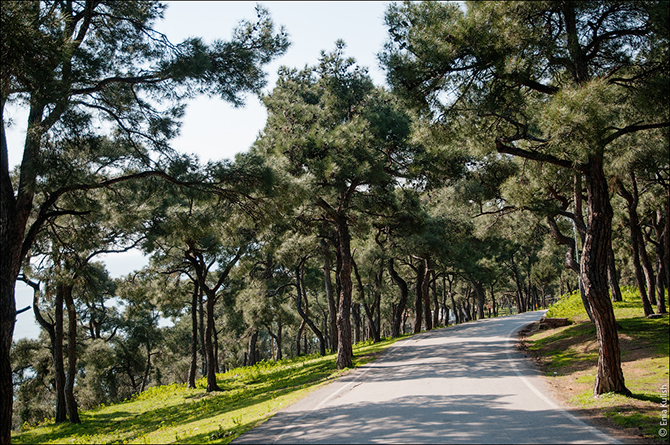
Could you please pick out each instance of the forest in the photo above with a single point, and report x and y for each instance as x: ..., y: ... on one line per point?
x: 519, y: 153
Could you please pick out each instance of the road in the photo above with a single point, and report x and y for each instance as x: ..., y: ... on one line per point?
x: 463, y: 384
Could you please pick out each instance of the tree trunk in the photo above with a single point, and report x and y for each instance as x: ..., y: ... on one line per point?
x: 436, y: 302
x: 612, y: 276
x: 215, y: 335
x: 399, y: 310
x: 305, y: 314
x: 418, y: 296
x: 298, y: 336
x: 50, y: 328
x: 203, y: 354
x: 344, y: 347
x: 209, y: 345
x: 635, y: 236
x: 519, y: 286
x: 14, y: 214
x: 194, y: 336
x: 251, y: 349
x: 481, y: 298
x: 609, y: 377
x: 572, y: 254
x: 332, y: 304
x: 147, y: 369
x: 425, y: 294
x: 457, y: 314
x: 660, y: 266
x: 70, y: 402
x: 57, y: 354
x: 278, y: 339
x: 357, y: 329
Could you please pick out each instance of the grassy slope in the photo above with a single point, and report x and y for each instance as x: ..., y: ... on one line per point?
x: 569, y: 357
x: 175, y: 413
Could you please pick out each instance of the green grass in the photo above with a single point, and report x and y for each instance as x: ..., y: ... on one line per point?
x: 174, y: 413
x: 571, y: 355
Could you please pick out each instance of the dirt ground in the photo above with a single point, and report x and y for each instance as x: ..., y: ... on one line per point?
x: 565, y: 387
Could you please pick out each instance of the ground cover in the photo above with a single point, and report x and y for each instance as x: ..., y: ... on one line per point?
x: 568, y: 357
x: 174, y: 413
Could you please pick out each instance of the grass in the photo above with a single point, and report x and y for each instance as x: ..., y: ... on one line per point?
x: 174, y: 413
x: 569, y: 357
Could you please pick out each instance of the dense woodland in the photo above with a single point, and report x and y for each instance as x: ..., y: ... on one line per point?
x: 520, y: 146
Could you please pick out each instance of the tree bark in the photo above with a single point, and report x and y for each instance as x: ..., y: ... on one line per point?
x: 194, y: 336
x: 251, y: 347
x: 572, y: 255
x: 612, y: 277
x: 609, y: 377
x: 436, y: 302
x: 304, y: 314
x: 660, y: 266
x: 635, y: 235
x: 147, y: 369
x: 418, y: 296
x: 298, y: 337
x: 481, y: 298
x: 201, y: 316
x: 344, y: 347
x: 57, y: 354
x: 519, y: 298
x: 398, y: 310
x: 70, y: 402
x: 332, y: 304
x: 209, y: 345
x: 277, y: 339
x: 425, y: 294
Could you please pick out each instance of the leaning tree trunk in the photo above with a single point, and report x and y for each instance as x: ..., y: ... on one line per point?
x: 304, y: 314
x: 398, y: 310
x: 70, y: 402
x: 609, y: 377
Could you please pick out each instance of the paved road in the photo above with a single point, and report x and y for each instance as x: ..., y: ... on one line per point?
x: 464, y: 384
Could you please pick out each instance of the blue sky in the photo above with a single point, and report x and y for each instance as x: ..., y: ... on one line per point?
x: 213, y: 129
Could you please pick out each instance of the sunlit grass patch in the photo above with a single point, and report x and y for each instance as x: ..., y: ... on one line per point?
x: 177, y: 414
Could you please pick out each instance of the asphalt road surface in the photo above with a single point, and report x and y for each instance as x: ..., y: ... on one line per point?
x: 463, y: 384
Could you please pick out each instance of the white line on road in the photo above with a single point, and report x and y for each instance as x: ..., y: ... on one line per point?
x: 606, y: 438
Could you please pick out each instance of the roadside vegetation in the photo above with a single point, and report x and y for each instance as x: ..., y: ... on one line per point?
x: 176, y: 414
x: 569, y: 356
x: 511, y: 139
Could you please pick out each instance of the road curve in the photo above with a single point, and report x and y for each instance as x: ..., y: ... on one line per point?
x: 463, y: 384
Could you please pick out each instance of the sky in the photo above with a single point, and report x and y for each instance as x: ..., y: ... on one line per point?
x: 213, y: 129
